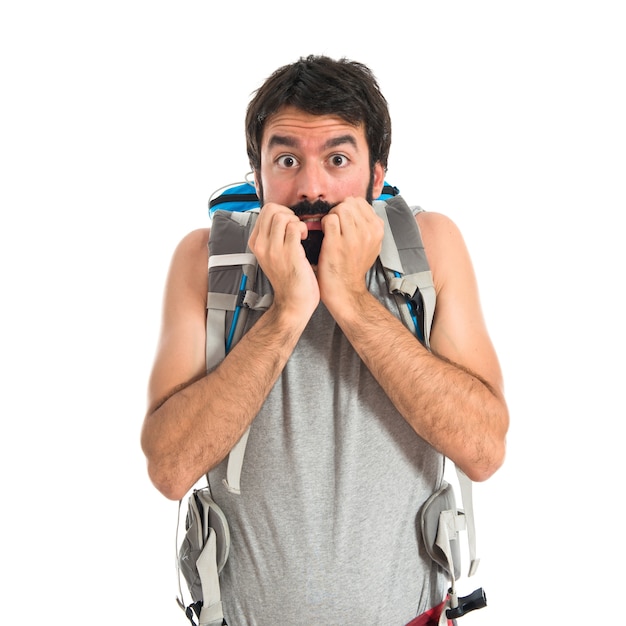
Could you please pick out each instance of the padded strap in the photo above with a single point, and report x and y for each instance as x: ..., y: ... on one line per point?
x: 202, y: 557
x: 404, y: 279
x: 211, y: 613
x: 390, y: 260
x: 389, y: 255
x: 450, y: 524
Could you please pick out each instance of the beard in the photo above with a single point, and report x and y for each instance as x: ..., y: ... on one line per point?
x: 313, y: 243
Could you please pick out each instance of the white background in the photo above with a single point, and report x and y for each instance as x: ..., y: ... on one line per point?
x: 118, y: 121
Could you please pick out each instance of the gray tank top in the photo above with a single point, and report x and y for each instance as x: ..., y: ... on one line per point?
x: 325, y: 530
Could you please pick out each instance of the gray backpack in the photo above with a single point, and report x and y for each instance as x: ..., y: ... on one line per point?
x: 232, y: 279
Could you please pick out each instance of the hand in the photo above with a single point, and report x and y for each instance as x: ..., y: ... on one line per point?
x: 276, y: 242
x: 353, y: 235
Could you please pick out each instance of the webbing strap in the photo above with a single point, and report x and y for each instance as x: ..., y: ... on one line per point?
x: 222, y: 301
x: 256, y: 302
x: 229, y: 302
x: 443, y: 619
x: 240, y: 258
x: 232, y: 482
x: 215, y: 344
x: 468, y: 508
x: 450, y: 524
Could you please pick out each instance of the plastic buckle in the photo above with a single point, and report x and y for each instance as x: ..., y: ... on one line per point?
x: 241, y: 297
x: 476, y: 600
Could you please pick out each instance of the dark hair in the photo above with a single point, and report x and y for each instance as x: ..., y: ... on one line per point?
x: 320, y: 85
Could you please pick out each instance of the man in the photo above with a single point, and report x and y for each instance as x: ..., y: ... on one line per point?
x: 350, y: 415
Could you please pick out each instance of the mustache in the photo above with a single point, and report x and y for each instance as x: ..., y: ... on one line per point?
x: 306, y: 207
x: 313, y: 243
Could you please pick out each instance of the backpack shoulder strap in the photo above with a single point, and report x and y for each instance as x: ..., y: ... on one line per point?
x: 410, y: 280
x: 232, y: 278
x: 231, y: 294
x: 406, y: 267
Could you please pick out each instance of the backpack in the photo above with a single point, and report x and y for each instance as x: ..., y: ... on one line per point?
x: 232, y: 277
x: 242, y: 196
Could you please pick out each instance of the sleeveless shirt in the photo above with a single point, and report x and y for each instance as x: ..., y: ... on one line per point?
x: 325, y: 530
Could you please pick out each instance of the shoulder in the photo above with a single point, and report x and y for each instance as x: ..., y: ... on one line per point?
x: 192, y: 251
x: 189, y: 266
x: 436, y: 227
x: 443, y: 243
x: 194, y: 243
x: 180, y: 352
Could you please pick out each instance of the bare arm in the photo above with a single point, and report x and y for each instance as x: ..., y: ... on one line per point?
x: 454, y: 400
x: 194, y: 419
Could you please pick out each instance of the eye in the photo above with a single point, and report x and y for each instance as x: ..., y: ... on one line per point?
x: 287, y: 161
x: 338, y: 160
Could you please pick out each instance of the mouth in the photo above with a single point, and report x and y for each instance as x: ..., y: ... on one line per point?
x: 312, y: 222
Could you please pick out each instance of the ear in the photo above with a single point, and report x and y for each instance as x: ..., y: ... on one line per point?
x: 379, y: 180
x: 258, y: 186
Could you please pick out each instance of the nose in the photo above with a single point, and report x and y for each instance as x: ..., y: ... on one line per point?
x: 312, y: 182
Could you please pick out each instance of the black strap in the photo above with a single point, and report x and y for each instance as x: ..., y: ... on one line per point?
x: 389, y: 190
x: 233, y: 197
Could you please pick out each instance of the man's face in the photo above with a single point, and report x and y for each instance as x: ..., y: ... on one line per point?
x: 309, y: 158
x: 310, y: 163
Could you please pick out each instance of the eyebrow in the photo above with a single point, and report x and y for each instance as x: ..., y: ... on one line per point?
x: 294, y: 142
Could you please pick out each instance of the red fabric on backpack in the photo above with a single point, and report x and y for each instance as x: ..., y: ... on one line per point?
x: 430, y: 618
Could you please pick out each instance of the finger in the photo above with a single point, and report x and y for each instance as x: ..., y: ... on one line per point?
x: 331, y: 224
x: 270, y: 226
